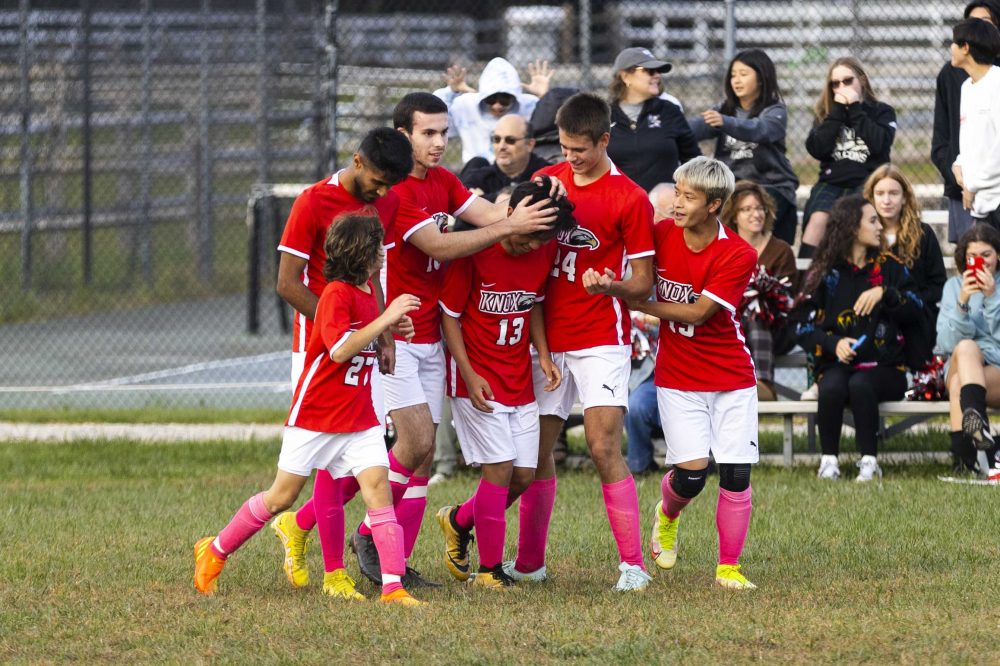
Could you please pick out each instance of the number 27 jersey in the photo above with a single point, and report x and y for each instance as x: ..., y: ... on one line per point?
x: 713, y: 356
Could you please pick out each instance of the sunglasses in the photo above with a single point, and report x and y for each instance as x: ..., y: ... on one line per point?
x: 847, y: 81
x: 500, y: 98
x: 509, y: 140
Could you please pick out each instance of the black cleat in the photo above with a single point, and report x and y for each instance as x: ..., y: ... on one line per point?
x: 413, y: 580
x: 364, y: 547
x: 977, y: 428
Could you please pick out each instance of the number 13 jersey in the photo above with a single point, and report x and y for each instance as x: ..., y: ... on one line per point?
x: 713, y: 356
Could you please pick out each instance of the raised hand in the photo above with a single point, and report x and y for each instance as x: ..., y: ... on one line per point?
x: 541, y: 78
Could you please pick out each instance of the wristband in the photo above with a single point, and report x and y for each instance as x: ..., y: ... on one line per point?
x: 964, y: 307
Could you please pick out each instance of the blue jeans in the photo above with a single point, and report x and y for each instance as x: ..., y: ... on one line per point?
x: 643, y: 417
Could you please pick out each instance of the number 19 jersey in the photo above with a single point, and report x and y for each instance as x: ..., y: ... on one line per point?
x: 713, y: 356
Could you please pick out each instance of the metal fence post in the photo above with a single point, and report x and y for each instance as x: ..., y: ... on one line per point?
x: 730, y: 47
x: 586, y: 76
x: 24, y: 101
x: 88, y: 175
x: 205, y: 217
x: 263, y: 100
x: 330, y: 76
x: 145, y: 178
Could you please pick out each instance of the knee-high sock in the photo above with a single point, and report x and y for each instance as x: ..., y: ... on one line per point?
x: 410, y: 511
x: 399, y: 479
x: 388, y: 536
x: 329, y: 520
x: 305, y: 517
x: 491, y: 523
x: 622, y: 504
x: 672, y: 502
x: 732, y: 519
x: 252, y: 516
x: 465, y: 517
x: 348, y: 489
x: 535, y: 513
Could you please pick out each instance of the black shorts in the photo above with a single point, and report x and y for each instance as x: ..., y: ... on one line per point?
x: 822, y: 197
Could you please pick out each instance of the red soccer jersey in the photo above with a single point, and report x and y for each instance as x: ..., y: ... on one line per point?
x: 410, y: 271
x: 305, y: 236
x: 713, y: 356
x: 614, y: 224
x: 493, y: 293
x: 337, y: 397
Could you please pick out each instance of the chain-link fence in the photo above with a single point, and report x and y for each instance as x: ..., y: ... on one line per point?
x: 132, y: 134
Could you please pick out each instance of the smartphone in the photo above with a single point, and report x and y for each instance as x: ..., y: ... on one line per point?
x: 974, y: 263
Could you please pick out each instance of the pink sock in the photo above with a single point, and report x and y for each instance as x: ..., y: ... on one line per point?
x: 672, y: 502
x: 535, y: 513
x: 732, y: 519
x: 399, y: 478
x: 329, y: 520
x: 491, y: 523
x: 305, y: 517
x: 349, y: 487
x: 622, y: 503
x: 252, y: 516
x: 466, y: 516
x: 411, y: 511
x: 388, y: 536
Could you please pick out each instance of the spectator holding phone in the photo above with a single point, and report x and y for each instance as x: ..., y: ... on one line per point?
x: 860, y: 298
x: 969, y: 328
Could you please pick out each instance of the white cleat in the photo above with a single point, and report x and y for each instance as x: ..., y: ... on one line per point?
x: 868, y: 469
x: 632, y: 579
x: 829, y: 468
x: 536, y: 576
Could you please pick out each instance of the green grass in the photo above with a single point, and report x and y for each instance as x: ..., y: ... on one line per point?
x: 150, y: 414
x: 96, y: 566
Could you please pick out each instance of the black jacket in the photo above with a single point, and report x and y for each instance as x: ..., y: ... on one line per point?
x: 828, y: 315
x: 490, y: 179
x: 649, y: 150
x: 944, y: 140
x: 852, y: 141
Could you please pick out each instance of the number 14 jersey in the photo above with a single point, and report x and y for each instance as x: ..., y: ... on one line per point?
x: 713, y: 356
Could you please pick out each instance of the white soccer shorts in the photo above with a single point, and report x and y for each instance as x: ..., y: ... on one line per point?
x: 598, y: 376
x: 343, y: 454
x: 419, y: 378
x: 509, y: 433
x: 696, y: 423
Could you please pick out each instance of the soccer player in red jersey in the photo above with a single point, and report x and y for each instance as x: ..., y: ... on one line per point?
x: 491, y: 302
x: 589, y: 334
x: 414, y: 393
x: 383, y: 158
x: 706, y: 387
x: 332, y: 424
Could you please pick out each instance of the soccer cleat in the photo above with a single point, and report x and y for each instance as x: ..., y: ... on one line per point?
x: 337, y: 583
x: 729, y: 576
x: 400, y: 597
x: 536, y: 576
x: 829, y: 468
x: 632, y: 579
x: 294, y: 539
x: 363, y: 546
x: 663, y: 542
x: 207, y: 566
x: 977, y: 428
x: 493, y: 579
x: 412, y: 580
x: 868, y: 469
x: 456, y: 543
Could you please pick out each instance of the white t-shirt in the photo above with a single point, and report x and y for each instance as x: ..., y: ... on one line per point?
x: 979, y: 141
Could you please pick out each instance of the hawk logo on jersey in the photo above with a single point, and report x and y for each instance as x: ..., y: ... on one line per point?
x: 578, y: 237
x: 669, y: 291
x: 506, y: 302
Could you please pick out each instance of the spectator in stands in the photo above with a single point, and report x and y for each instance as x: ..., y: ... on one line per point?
x: 749, y: 128
x: 969, y: 328
x: 474, y: 114
x: 750, y: 212
x: 662, y: 197
x: 915, y: 245
x: 975, y: 45
x: 513, y: 146
x: 650, y: 137
x: 852, y: 135
x: 860, y: 297
x: 944, y: 142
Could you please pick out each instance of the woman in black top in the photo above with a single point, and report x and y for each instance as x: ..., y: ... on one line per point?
x: 852, y: 135
x: 650, y: 137
x: 860, y: 300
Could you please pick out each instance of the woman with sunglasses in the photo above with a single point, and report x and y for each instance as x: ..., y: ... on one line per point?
x: 852, y: 135
x: 650, y: 137
x: 749, y: 128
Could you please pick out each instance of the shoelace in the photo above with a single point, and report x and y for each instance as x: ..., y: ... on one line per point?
x: 502, y: 576
x: 464, y: 540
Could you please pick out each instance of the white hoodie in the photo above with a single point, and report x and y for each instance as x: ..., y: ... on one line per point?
x: 979, y: 141
x: 472, y: 119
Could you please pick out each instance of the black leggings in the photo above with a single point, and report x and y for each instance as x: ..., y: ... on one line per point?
x: 842, y: 385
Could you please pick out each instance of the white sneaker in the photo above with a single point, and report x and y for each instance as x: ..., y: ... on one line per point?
x: 536, y: 576
x: 811, y: 393
x: 633, y: 578
x: 829, y: 468
x: 868, y: 469
x: 437, y: 478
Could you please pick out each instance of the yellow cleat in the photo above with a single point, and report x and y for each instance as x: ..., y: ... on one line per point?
x: 729, y: 576
x: 496, y: 579
x: 207, y: 567
x: 663, y: 542
x: 402, y: 598
x: 294, y: 540
x: 338, y: 584
x: 456, y: 544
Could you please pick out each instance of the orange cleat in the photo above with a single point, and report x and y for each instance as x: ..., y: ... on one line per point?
x: 207, y: 566
x: 400, y: 597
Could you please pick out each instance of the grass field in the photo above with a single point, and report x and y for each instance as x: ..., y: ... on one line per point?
x: 95, y: 565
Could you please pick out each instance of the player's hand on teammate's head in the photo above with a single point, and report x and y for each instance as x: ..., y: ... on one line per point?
x: 597, y: 283
x: 556, y: 189
x: 528, y: 218
x: 479, y: 393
